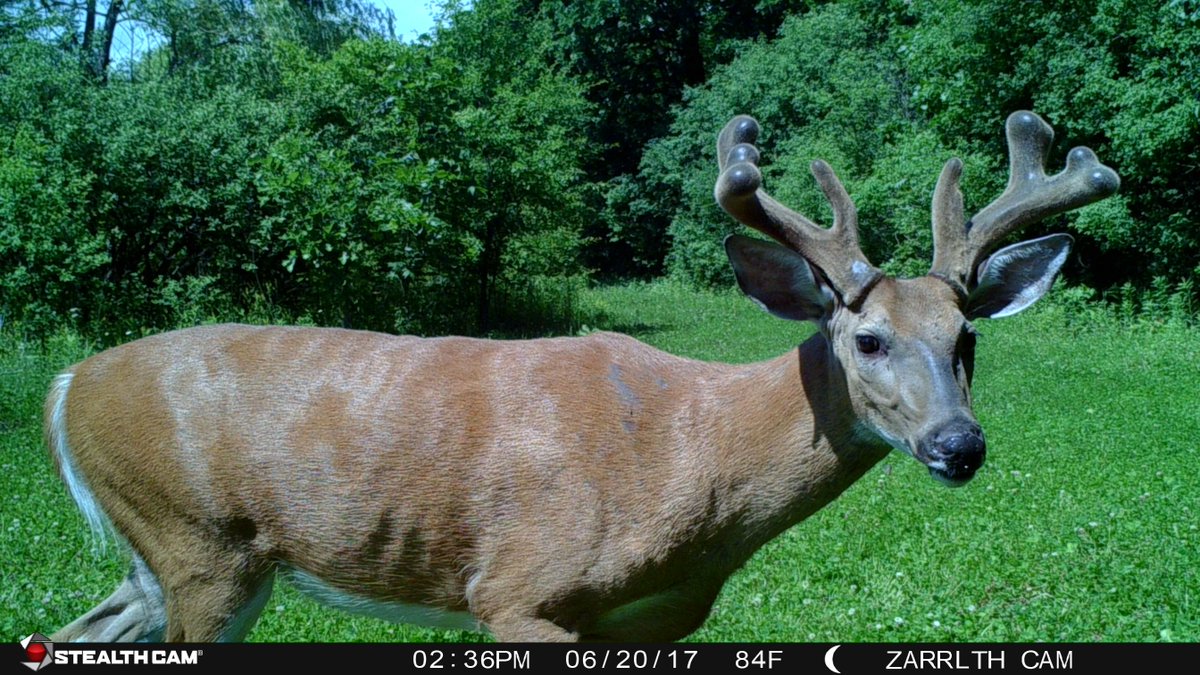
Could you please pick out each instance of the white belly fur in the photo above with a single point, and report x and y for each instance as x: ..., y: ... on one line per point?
x: 396, y: 612
x: 617, y: 621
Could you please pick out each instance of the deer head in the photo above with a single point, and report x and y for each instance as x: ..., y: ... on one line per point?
x: 905, y: 347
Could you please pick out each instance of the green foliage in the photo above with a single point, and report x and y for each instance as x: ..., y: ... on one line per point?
x: 46, y: 246
x: 287, y: 155
x: 348, y: 201
x: 894, y: 199
x: 848, y: 110
x: 886, y: 92
x: 638, y: 56
x: 519, y: 142
x: 1162, y: 304
x: 361, y: 184
x: 635, y: 58
x: 173, y: 198
x: 1116, y: 75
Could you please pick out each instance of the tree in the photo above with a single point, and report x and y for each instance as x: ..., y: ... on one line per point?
x: 519, y: 143
x: 886, y: 91
x: 848, y: 110
x: 243, y: 168
x: 1115, y: 75
x: 634, y: 59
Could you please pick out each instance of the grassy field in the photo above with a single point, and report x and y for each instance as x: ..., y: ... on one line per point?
x: 1082, y: 525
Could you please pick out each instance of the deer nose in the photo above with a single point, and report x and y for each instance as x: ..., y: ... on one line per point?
x: 955, y: 452
x: 960, y: 448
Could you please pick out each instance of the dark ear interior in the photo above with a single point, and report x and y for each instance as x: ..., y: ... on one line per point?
x: 1016, y: 276
x: 778, y: 279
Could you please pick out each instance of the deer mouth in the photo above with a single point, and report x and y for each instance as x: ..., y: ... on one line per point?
x: 950, y: 467
x: 953, y: 469
x: 950, y: 479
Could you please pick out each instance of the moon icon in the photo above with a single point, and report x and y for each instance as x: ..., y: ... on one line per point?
x: 829, y: 659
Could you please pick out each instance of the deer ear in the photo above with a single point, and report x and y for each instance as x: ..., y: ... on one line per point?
x: 781, y: 281
x: 1016, y: 276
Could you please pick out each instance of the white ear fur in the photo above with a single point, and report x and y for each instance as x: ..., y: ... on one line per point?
x: 1016, y: 276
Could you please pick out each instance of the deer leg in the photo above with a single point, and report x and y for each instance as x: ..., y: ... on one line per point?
x: 247, y: 615
x: 221, y: 604
x: 135, y: 612
x: 499, y: 601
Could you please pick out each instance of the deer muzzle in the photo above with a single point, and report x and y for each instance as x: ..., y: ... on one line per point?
x: 954, y: 453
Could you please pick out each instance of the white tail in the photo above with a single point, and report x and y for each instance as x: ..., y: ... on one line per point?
x: 561, y: 489
x: 56, y: 440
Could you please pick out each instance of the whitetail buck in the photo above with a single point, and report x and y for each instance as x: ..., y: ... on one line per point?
x: 560, y: 489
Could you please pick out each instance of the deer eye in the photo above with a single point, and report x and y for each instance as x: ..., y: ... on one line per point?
x: 867, y: 344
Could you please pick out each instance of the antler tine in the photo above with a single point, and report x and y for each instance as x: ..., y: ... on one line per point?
x: 949, y: 231
x: 1030, y: 196
x: 834, y: 251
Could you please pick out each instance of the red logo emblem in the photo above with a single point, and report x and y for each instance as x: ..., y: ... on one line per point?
x: 39, y: 651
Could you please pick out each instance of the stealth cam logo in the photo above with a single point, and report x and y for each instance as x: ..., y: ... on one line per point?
x: 39, y: 651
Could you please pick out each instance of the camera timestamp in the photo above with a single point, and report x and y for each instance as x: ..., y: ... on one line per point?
x: 471, y: 659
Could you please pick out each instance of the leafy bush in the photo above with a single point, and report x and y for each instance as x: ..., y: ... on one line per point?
x: 289, y: 161
x: 381, y: 185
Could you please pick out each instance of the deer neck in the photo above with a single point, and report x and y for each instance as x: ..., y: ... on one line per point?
x: 787, y: 438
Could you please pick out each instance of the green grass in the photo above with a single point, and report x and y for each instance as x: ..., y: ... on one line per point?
x: 1082, y: 525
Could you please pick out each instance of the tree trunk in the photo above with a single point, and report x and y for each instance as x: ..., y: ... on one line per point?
x: 691, y: 55
x: 89, y: 35
x: 486, y: 263
x: 89, y: 24
x: 110, y: 28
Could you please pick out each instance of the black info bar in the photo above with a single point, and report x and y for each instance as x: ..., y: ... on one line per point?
x: 841, y: 659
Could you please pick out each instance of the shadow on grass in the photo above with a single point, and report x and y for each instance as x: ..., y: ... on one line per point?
x: 532, y: 316
x: 637, y: 329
